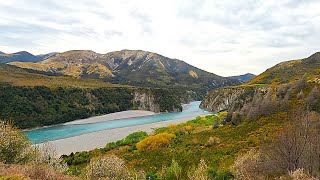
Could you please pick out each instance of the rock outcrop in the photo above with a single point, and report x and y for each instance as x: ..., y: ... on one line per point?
x: 233, y: 98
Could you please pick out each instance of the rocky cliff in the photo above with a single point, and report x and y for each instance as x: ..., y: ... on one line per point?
x: 157, y: 100
x: 234, y: 98
x: 145, y: 101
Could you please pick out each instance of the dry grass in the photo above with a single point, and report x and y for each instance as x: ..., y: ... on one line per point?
x: 31, y: 172
x: 31, y: 79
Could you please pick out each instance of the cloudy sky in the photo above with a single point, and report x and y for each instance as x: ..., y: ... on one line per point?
x: 224, y: 37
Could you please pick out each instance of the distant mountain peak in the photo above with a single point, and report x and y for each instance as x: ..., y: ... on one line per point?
x: 2, y: 52
x: 21, y: 56
x: 244, y: 77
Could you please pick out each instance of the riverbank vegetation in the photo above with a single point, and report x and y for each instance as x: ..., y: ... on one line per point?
x: 38, y: 106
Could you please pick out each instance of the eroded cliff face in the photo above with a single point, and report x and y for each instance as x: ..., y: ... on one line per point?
x: 234, y: 98
x: 156, y: 100
x: 145, y: 101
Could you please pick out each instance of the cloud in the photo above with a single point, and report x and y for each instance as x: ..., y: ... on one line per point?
x: 224, y: 37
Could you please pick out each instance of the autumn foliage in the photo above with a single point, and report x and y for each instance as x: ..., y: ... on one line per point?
x: 155, y: 142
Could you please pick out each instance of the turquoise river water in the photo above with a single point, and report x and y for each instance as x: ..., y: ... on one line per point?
x: 64, y: 131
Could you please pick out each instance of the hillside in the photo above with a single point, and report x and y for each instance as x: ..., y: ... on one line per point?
x: 24, y: 77
x: 22, y: 56
x: 244, y: 77
x: 34, y: 100
x: 134, y: 67
x: 289, y: 71
x: 280, y: 88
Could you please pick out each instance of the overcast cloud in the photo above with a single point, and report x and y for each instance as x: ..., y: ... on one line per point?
x: 224, y: 37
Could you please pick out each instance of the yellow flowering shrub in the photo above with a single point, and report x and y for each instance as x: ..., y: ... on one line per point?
x: 222, y: 115
x: 189, y: 129
x: 172, y: 126
x: 154, y: 142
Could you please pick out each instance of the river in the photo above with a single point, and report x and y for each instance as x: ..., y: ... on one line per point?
x: 65, y: 131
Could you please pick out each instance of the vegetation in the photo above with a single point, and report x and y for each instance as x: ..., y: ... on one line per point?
x: 269, y: 131
x: 39, y: 106
x: 27, y: 77
x: 206, y: 151
x: 296, y: 148
x: 110, y: 167
x: 289, y: 71
x: 14, y: 145
x: 155, y: 142
x: 20, y: 160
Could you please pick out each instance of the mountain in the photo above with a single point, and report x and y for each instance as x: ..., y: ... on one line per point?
x: 133, y: 67
x: 244, y: 77
x: 2, y: 52
x: 47, y: 56
x: 22, y: 56
x: 289, y: 71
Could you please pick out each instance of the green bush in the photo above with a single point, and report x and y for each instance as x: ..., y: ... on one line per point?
x: 134, y: 138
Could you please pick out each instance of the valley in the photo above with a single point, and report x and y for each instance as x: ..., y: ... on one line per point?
x: 150, y: 129
x: 159, y: 90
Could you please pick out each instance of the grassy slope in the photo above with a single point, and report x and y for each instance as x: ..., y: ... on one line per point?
x: 188, y: 149
x: 20, y: 77
x: 290, y: 71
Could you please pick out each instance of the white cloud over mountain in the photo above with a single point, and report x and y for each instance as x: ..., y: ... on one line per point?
x: 225, y: 37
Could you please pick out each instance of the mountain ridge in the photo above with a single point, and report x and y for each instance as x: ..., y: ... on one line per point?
x: 133, y: 67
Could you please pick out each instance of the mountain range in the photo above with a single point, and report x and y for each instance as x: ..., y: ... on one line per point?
x: 133, y: 67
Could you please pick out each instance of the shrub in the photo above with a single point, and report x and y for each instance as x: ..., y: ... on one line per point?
x: 199, y: 173
x: 134, y: 137
x: 172, y: 126
x: 155, y: 141
x: 299, y: 174
x: 213, y: 141
x: 174, y: 170
x: 222, y: 115
x: 189, y: 129
x: 246, y: 165
x: 151, y: 176
x: 14, y: 145
x: 108, y: 167
x: 46, y: 154
x: 78, y: 158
